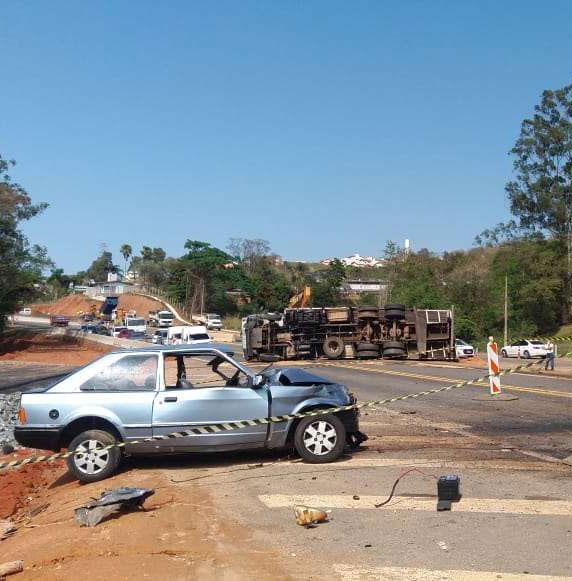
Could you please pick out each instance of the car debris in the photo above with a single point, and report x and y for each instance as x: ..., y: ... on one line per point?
x: 10, y: 568
x: 112, y: 502
x: 7, y: 528
x: 309, y: 517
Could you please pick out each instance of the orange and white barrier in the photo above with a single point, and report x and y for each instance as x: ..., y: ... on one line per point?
x: 494, y: 367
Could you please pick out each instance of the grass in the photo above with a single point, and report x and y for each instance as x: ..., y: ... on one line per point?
x: 232, y: 323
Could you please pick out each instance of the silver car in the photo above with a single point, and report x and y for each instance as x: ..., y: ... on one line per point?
x: 134, y: 394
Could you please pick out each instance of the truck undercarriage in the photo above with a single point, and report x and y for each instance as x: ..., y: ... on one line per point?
x: 363, y: 332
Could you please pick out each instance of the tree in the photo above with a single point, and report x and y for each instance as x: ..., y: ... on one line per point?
x: 250, y: 251
x: 21, y: 264
x: 326, y: 293
x: 126, y: 252
x: 540, y: 195
x: 102, y: 266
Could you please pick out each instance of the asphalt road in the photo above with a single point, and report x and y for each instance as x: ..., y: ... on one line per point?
x: 513, y: 522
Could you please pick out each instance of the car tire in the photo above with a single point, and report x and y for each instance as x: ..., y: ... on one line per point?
x: 504, y: 354
x: 100, y: 465
x: 526, y: 354
x: 327, y: 448
x: 333, y: 347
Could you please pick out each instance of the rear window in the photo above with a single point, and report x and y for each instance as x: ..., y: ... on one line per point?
x: 130, y: 373
x: 199, y: 336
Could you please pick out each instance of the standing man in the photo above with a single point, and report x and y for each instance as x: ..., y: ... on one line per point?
x: 550, y: 355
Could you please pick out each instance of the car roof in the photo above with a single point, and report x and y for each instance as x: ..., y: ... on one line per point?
x: 184, y: 348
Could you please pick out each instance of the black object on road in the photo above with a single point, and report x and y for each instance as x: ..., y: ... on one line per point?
x: 111, y: 502
x: 449, y: 488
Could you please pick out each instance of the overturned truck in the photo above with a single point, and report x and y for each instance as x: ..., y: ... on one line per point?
x: 392, y: 332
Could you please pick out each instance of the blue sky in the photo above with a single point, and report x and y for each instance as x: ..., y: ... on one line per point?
x: 325, y: 127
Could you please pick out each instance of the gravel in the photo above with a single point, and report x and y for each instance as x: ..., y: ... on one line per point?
x: 9, y: 404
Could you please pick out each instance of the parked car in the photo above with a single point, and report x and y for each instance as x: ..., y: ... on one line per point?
x: 213, y: 321
x: 119, y: 329
x: 59, y: 321
x: 26, y: 311
x: 158, y: 390
x: 525, y: 349
x: 464, y: 349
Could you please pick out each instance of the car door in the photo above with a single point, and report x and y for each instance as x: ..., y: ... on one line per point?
x: 194, y: 395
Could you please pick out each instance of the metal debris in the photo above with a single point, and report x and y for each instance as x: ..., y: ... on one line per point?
x: 112, y: 502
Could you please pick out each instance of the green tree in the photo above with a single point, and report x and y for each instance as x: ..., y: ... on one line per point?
x: 326, y: 292
x: 21, y: 264
x: 126, y: 252
x: 101, y: 267
x: 540, y: 194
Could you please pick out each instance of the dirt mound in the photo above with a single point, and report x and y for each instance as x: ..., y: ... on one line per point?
x: 71, y: 306
x: 48, y: 348
x: 74, y: 305
x: 18, y: 486
x: 142, y: 305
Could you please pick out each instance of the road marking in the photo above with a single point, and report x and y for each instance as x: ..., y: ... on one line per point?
x: 351, y: 573
x: 535, y: 390
x: 493, y: 464
x: 509, y: 506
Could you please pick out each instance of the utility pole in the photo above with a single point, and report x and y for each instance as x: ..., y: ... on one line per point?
x: 506, y: 309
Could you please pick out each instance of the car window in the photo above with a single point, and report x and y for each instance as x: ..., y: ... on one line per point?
x: 130, y: 373
x: 201, y: 371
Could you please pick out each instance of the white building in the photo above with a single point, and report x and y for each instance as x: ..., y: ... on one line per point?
x: 358, y: 261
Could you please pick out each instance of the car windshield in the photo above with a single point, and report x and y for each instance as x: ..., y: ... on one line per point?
x: 460, y: 342
x: 167, y: 316
x: 198, y: 336
x: 135, y: 322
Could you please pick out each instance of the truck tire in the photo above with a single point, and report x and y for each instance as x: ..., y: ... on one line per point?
x: 333, y: 347
x: 320, y: 439
x: 93, y: 465
x: 367, y: 351
x: 393, y: 349
x: 368, y: 313
x: 392, y: 312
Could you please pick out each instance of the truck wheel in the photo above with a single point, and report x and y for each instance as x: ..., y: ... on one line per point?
x: 394, y: 312
x: 93, y: 462
x: 368, y: 313
x: 393, y: 349
x: 368, y: 354
x: 320, y: 439
x: 367, y: 351
x: 333, y: 347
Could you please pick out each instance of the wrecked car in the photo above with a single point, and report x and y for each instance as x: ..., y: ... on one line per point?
x: 130, y: 395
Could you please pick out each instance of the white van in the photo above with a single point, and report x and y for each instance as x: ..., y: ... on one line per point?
x: 137, y: 327
x: 189, y: 334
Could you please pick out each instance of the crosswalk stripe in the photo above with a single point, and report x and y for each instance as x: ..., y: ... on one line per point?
x: 360, y: 573
x: 492, y: 464
x: 510, y: 506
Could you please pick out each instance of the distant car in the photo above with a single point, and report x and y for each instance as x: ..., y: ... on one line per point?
x: 89, y: 328
x: 525, y: 349
x: 59, y: 321
x: 121, y: 332
x: 127, y: 396
x: 463, y: 349
x: 212, y: 321
x: 26, y: 311
x: 159, y: 337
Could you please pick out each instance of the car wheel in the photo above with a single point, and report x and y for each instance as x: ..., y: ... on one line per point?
x: 396, y: 312
x: 320, y: 439
x: 333, y: 347
x: 503, y: 353
x: 526, y: 355
x: 92, y: 460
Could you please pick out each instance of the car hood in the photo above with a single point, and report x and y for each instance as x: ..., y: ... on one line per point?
x: 295, y: 376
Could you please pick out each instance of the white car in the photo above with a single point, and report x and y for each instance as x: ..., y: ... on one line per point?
x: 159, y: 337
x: 463, y: 349
x: 213, y: 321
x: 525, y: 349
